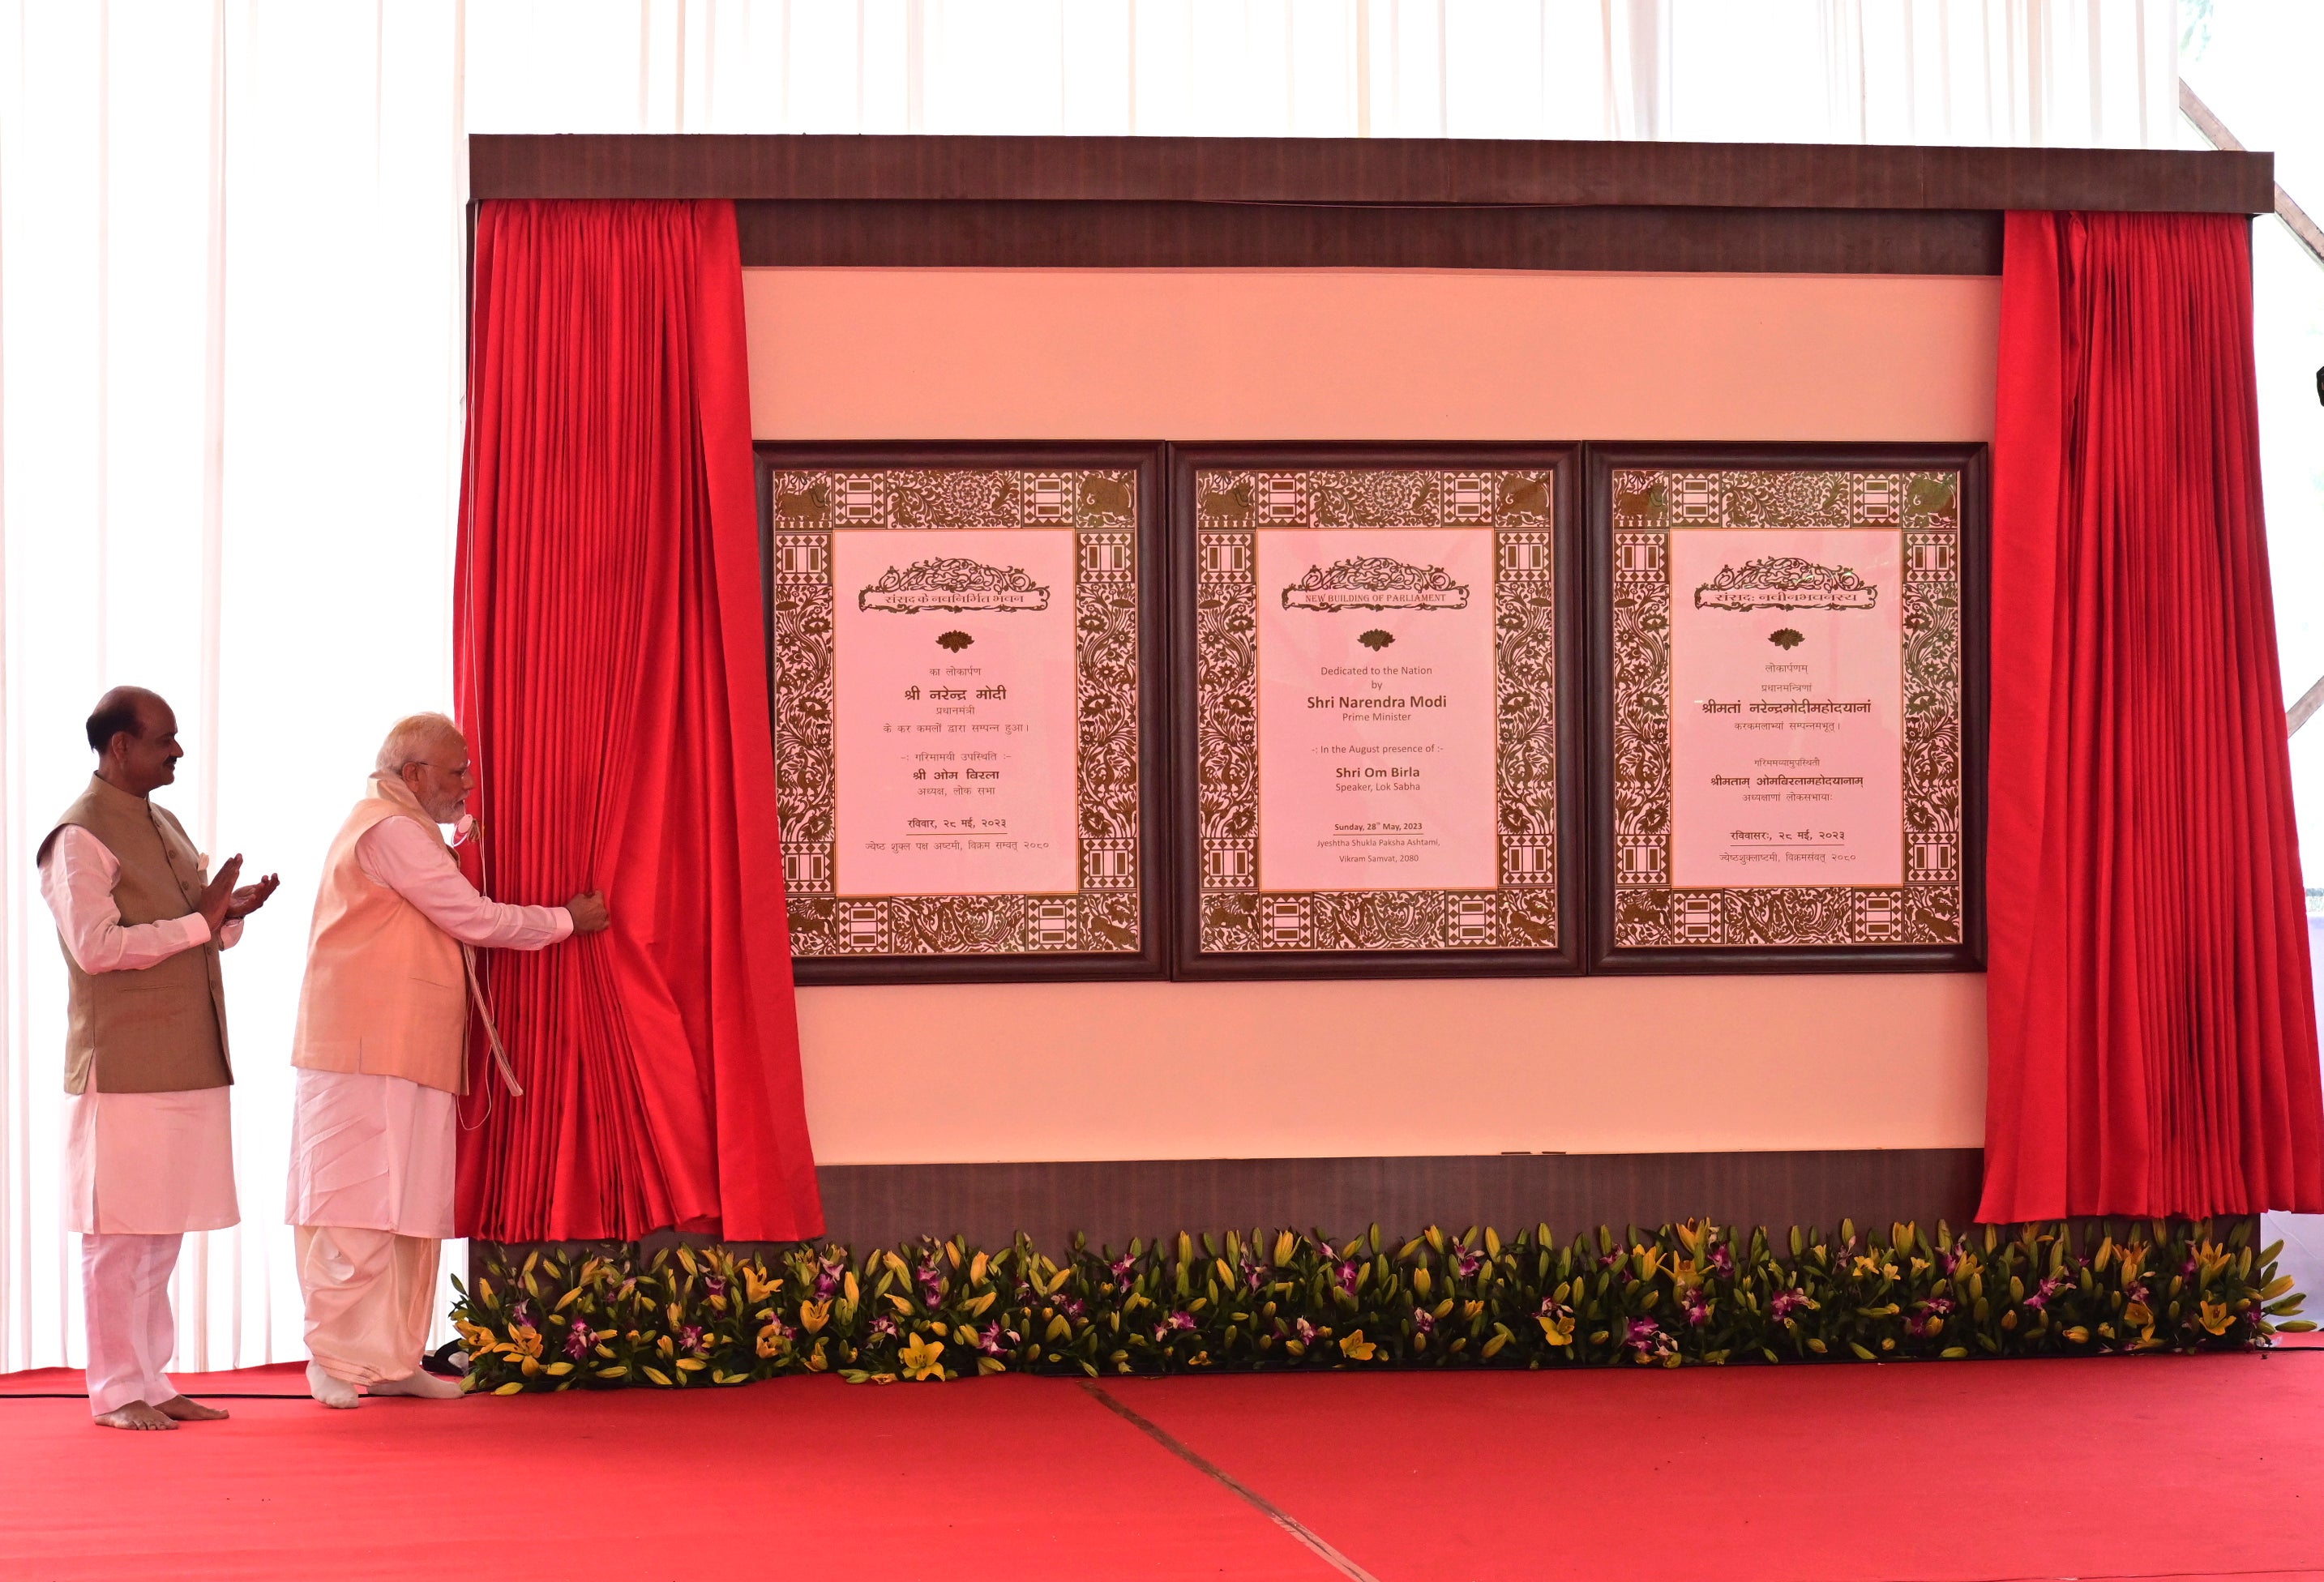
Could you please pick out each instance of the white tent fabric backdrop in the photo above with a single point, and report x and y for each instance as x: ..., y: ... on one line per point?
x: 231, y: 243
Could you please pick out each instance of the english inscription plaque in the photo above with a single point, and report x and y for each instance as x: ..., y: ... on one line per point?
x: 1373, y: 751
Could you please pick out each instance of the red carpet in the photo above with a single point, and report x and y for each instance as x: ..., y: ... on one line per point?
x: 280, y: 1378
x: 2184, y: 1468
x: 2162, y: 1466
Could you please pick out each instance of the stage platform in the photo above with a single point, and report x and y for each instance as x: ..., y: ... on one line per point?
x: 2105, y: 1469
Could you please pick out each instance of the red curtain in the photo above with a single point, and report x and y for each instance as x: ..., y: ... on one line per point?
x: 2151, y: 1026
x: 612, y: 666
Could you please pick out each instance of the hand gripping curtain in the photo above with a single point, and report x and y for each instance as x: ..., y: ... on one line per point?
x: 612, y: 665
x: 2152, y: 1031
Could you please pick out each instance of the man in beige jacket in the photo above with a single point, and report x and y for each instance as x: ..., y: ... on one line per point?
x: 149, y: 1148
x: 382, y: 1052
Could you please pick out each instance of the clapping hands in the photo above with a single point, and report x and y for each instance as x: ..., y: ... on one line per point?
x: 249, y: 898
x: 222, y: 902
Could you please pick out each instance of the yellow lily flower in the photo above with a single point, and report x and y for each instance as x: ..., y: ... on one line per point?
x: 1355, y: 1348
x: 814, y: 1315
x: 771, y: 1340
x: 921, y: 1359
x: 755, y: 1289
x: 1556, y: 1331
x: 2215, y: 1317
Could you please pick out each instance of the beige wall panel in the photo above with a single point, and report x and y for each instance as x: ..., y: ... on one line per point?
x: 1164, y: 1070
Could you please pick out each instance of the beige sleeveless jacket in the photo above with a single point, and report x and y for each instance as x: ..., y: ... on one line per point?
x: 157, y: 1029
x: 386, y: 991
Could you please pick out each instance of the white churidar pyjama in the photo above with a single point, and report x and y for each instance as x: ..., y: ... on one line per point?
x: 140, y: 1170
x: 125, y: 1282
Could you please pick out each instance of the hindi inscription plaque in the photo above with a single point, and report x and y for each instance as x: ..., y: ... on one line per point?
x: 960, y: 646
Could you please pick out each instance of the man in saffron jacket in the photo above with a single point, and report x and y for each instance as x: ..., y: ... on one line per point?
x: 382, y: 1052
x: 149, y: 1153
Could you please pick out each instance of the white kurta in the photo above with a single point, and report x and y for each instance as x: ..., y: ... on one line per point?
x: 375, y: 1152
x: 372, y: 1152
x: 135, y: 1163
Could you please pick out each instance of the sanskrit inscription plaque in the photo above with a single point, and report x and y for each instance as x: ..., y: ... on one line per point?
x: 1788, y: 735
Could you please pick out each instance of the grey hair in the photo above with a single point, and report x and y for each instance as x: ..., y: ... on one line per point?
x: 410, y: 738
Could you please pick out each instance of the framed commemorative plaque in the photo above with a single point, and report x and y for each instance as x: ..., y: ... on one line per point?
x: 1788, y: 726
x: 963, y: 653
x: 1375, y: 744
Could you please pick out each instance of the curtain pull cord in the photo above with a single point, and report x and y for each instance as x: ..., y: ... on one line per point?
x: 492, y: 1034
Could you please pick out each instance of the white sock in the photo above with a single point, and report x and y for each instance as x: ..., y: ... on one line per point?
x: 420, y: 1384
x: 330, y: 1389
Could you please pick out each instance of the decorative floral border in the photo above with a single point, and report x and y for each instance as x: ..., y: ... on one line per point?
x: 1101, y: 507
x: 1924, y: 508
x: 1233, y: 507
x: 1682, y: 1295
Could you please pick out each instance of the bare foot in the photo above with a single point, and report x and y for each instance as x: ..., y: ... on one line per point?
x: 186, y: 1409
x: 136, y: 1415
x: 423, y: 1385
x: 331, y: 1390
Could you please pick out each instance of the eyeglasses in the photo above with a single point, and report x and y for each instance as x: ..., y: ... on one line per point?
x: 421, y: 763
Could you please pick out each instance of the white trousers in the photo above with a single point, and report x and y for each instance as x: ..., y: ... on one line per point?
x: 125, y: 1293
x: 368, y: 1294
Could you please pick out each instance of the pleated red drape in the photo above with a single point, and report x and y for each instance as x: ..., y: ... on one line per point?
x: 2151, y: 1026
x: 612, y: 660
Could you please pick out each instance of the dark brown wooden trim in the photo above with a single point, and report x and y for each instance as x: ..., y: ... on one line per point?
x: 1154, y: 866
x: 1112, y: 1200
x: 1604, y: 958
x: 890, y: 233
x: 1394, y: 170
x: 1189, y: 961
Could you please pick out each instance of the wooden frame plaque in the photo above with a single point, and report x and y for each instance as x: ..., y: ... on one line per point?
x: 1788, y: 712
x: 1376, y: 746
x: 964, y: 661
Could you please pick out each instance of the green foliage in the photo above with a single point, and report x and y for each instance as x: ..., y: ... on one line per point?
x: 690, y: 1317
